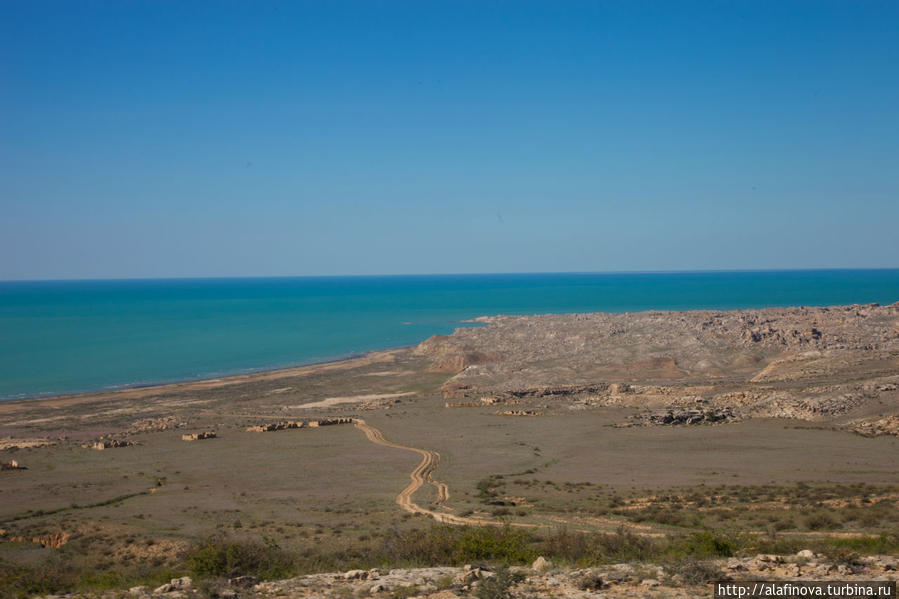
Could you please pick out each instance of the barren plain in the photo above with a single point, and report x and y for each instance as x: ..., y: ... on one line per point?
x: 651, y: 438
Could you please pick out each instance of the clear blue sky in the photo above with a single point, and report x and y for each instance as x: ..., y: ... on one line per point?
x: 154, y: 139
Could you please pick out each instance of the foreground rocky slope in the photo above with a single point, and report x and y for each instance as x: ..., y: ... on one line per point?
x: 541, y: 579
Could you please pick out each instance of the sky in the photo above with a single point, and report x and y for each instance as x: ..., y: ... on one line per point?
x: 180, y: 139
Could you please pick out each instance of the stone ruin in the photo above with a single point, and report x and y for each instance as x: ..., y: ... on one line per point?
x: 163, y: 423
x: 330, y: 421
x: 288, y: 424
x: 484, y: 401
x: 198, y: 436
x: 676, y: 416
x: 108, y: 444
x: 519, y: 413
x: 275, y: 426
x: 876, y: 427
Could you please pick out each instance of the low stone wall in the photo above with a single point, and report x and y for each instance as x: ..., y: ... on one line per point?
x: 198, y: 436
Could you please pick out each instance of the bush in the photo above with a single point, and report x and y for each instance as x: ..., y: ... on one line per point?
x: 498, y: 586
x: 694, y: 571
x: 591, y: 581
x: 571, y: 546
x: 594, y: 548
x: 820, y: 521
x: 842, y: 555
x: 708, y: 544
x: 625, y: 546
x: 26, y: 581
x: 495, y: 543
x: 217, y: 557
x: 435, y: 546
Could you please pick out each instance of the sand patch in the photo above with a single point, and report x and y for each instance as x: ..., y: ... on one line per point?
x: 390, y: 373
x: 378, y: 357
x: 333, y: 401
x: 10, y: 443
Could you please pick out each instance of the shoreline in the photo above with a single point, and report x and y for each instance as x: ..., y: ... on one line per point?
x: 10, y: 406
x: 13, y: 406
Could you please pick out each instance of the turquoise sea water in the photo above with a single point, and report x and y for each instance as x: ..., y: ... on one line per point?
x: 70, y: 336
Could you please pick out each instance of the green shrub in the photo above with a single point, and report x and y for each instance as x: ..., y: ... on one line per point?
x: 841, y: 555
x: 495, y: 543
x: 498, y: 586
x: 625, y: 546
x: 404, y: 592
x: 217, y: 557
x: 820, y: 521
x: 52, y: 576
x: 437, y: 545
x: 708, y: 544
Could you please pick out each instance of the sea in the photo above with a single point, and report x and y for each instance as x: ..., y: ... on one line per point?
x: 61, y: 337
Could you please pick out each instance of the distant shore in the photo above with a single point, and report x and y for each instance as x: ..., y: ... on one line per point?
x: 13, y: 406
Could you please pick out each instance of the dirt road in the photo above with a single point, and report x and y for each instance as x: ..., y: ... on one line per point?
x: 419, y: 475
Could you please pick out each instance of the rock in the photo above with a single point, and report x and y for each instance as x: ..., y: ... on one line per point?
x: 465, y: 577
x: 243, y: 581
x: 619, y: 388
x: 806, y: 554
x: 141, y: 590
x: 736, y: 565
x: 185, y: 582
x: 650, y: 582
x: 167, y: 587
x: 377, y: 588
x: 541, y: 564
x: 356, y: 575
x: 229, y: 594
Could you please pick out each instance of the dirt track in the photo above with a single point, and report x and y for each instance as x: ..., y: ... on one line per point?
x: 431, y: 459
x: 421, y: 474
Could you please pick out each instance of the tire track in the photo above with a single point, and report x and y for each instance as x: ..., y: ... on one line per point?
x: 419, y: 476
x: 431, y: 459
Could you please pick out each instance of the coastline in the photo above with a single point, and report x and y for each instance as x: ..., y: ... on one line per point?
x: 56, y: 345
x: 14, y: 406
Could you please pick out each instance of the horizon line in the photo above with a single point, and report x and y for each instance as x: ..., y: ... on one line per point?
x: 451, y: 274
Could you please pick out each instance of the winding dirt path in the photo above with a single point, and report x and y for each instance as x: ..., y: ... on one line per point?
x: 421, y: 474
x: 431, y: 459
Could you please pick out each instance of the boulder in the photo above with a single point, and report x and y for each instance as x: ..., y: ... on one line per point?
x: 183, y: 583
x: 243, y: 581
x: 541, y: 564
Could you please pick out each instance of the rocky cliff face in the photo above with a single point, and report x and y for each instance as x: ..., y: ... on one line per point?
x: 809, y: 363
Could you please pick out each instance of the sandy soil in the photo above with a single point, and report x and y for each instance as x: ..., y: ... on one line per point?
x: 333, y: 401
